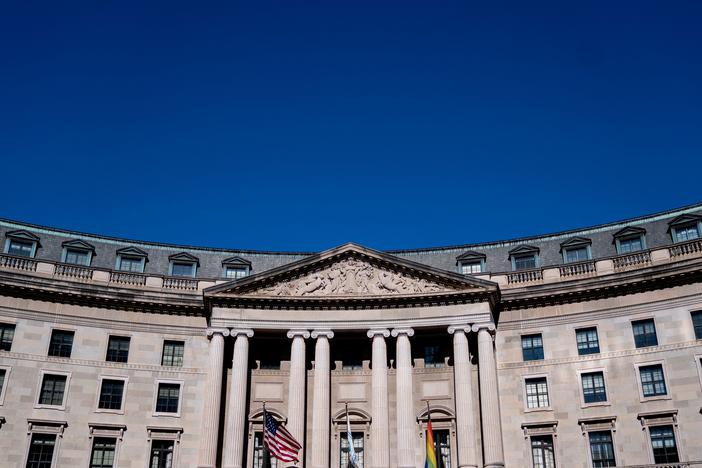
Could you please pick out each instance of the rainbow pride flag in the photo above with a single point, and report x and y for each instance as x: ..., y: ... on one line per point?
x: 431, y: 452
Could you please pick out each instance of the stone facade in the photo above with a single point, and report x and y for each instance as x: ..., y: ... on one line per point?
x: 383, y: 338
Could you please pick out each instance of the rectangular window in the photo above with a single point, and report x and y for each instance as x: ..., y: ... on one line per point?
x: 61, y: 343
x: 525, y: 262
x: 7, y: 334
x: 3, y: 373
x: 532, y: 347
x: 470, y: 268
x: 665, y: 450
x: 442, y: 445
x: 594, y: 387
x: 261, y: 457
x: 432, y: 356
x: 77, y: 257
x: 111, y: 394
x: 182, y: 269
x: 352, y: 363
x: 168, y: 396
x: 236, y: 272
x: 652, y: 380
x: 52, y: 390
x: 630, y: 244
x: 132, y: 264
x: 602, y: 449
x: 686, y: 233
x: 118, y: 349
x: 173, y: 353
x: 161, y: 454
x: 645, y: 333
x: 41, y: 451
x: 697, y: 324
x: 103, y: 455
x: 20, y: 248
x: 542, y: 453
x: 588, y: 341
x: 357, y: 438
x: 577, y: 254
x: 537, y: 392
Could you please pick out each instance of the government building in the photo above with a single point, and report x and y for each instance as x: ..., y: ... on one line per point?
x: 575, y: 349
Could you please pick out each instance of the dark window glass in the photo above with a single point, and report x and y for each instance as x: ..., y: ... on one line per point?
x: 594, y: 387
x: 3, y: 372
x: 52, y: 389
x: 542, y: 452
x: 602, y: 449
x: 173, y: 353
x: 61, y: 343
x: 525, y: 262
x: 352, y: 363
x: 103, y: 455
x: 630, y: 244
x: 697, y: 324
x: 652, y: 380
x: 645, y: 333
x: 588, y: 341
x: 261, y: 457
x: 133, y: 264
x: 532, y: 347
x: 41, y: 451
x: 111, y: 394
x: 357, y: 438
x: 433, y: 356
x: 577, y: 254
x: 442, y: 448
x: 167, y: 400
x: 686, y: 233
x: 20, y: 248
x: 161, y: 454
x: 537, y: 392
x: 7, y: 334
x: 182, y: 269
x: 665, y: 450
x: 118, y: 349
x: 77, y: 257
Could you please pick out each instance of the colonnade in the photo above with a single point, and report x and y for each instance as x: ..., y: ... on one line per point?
x: 379, y: 457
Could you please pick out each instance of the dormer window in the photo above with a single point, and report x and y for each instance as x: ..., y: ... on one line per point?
x: 131, y: 259
x: 576, y: 249
x: 685, y: 228
x: 524, y: 257
x: 183, y: 264
x: 21, y: 243
x: 77, y: 252
x: 471, y: 263
x: 629, y: 240
x: 236, y: 267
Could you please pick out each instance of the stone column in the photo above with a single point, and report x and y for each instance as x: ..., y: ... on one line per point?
x: 296, y: 389
x: 380, y: 432
x: 235, y: 431
x: 489, y: 398
x: 463, y: 381
x: 321, y: 419
x: 213, y: 392
x: 406, y: 426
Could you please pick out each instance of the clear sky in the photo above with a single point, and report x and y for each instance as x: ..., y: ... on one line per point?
x: 302, y: 125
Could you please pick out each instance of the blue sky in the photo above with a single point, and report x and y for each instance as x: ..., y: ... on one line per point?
x: 303, y: 125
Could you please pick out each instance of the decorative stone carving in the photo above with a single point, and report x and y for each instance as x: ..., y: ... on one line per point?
x: 352, y: 277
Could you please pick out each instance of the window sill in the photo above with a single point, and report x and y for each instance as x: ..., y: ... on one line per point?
x: 656, y: 398
x: 538, y: 410
x: 50, y: 407
x: 109, y: 411
x: 596, y: 404
x: 166, y: 415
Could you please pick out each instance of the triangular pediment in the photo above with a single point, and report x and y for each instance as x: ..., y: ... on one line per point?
x: 132, y: 252
x: 78, y: 244
x: 523, y: 249
x: 22, y: 234
x: 684, y: 219
x: 350, y: 272
x: 184, y: 257
x: 629, y: 231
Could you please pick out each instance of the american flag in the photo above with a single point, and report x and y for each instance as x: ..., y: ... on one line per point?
x: 279, y: 442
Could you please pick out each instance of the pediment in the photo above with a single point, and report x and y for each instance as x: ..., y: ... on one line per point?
x: 133, y: 252
x: 350, y: 272
x: 236, y: 261
x: 22, y: 234
x: 471, y: 255
x: 684, y: 219
x: 523, y: 249
x: 629, y: 231
x: 78, y: 244
x: 184, y: 257
x: 575, y: 242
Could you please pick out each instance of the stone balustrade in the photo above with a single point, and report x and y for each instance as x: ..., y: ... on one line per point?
x: 18, y: 263
x: 632, y: 260
x: 578, y: 269
x: 73, y: 271
x: 131, y: 279
x: 184, y: 284
x: 526, y: 276
x: 686, y: 248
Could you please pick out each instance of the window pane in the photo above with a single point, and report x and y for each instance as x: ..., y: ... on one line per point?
x: 645, y: 333
x: 578, y: 254
x: 61, y: 343
x: 532, y: 347
x: 111, y: 394
x: 133, y: 264
x: 525, y: 262
x: 632, y: 244
x: 357, y: 438
x: 260, y: 453
x: 52, y: 389
x: 697, y: 324
x: 118, y: 349
x: 2, y: 379
x: 665, y: 449
x: 77, y: 257
x: 41, y: 451
x: 594, y: 387
x: 161, y: 454
x: 686, y: 233
x: 433, y: 356
x: 542, y: 452
x: 103, y: 455
x: 652, y: 380
x: 7, y: 334
x: 173, y: 353
x: 602, y: 449
x: 167, y: 400
x: 236, y: 272
x: 20, y: 248
x: 182, y: 269
x: 587, y: 340
x: 537, y: 393
x: 469, y: 268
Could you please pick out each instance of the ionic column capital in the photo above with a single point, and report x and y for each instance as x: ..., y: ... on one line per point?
x: 236, y: 332
x: 322, y: 333
x: 402, y: 331
x: 221, y: 331
x: 463, y: 327
x: 490, y: 327
x: 378, y: 331
x: 294, y: 333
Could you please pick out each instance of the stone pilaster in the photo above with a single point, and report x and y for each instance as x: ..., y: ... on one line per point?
x: 380, y: 432
x: 406, y: 426
x: 489, y: 397
x: 463, y: 395
x: 297, y: 389
x: 321, y: 418
x: 213, y: 392
x: 235, y: 430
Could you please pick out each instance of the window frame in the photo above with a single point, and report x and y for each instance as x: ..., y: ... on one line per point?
x: 530, y: 440
x: 40, y: 385
x: 10, y: 239
x: 242, y: 268
x: 543, y: 350
x: 533, y: 255
x: 618, y: 243
x: 3, y: 389
x: 606, y: 401
x: 588, y: 253
x: 44, y: 430
x: 611, y: 432
x: 107, y: 348
x: 549, y: 394
x: 342, y: 438
x: 597, y: 333
x: 479, y: 262
x: 14, y: 333
x: 441, y: 358
x: 101, y: 379
x: 686, y: 225
x: 633, y: 321
x: 157, y: 384
x: 106, y: 431
x: 88, y: 252
x: 51, y: 337
x: 193, y: 268
x: 693, y: 314
x: 171, y: 434
x: 120, y: 257
x: 644, y: 398
x: 163, y: 352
